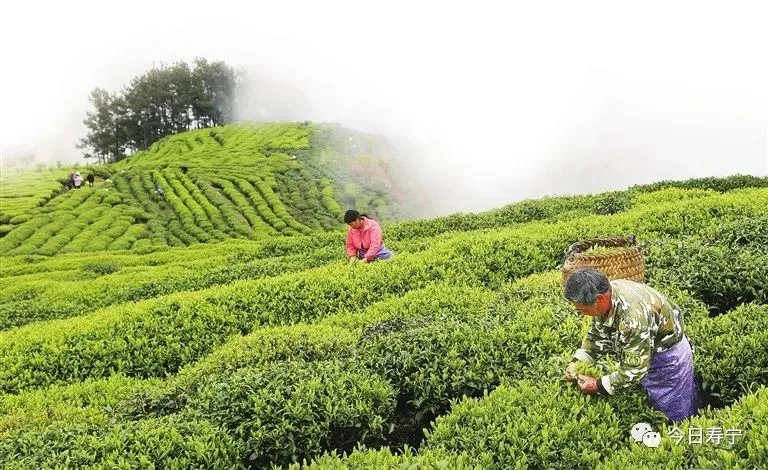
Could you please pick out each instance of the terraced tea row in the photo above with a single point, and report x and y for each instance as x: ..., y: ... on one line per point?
x: 338, y: 384
x: 202, y: 186
x: 160, y: 335
x: 464, y: 333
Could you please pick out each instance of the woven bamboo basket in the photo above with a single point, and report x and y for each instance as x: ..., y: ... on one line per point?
x: 625, y: 262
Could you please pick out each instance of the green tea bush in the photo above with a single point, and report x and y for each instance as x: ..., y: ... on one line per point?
x: 94, y: 236
x: 19, y: 219
x: 75, y: 297
x: 432, y: 360
x: 746, y: 232
x: 734, y: 437
x: 22, y: 232
x: 384, y: 458
x: 229, y: 212
x: 482, y: 259
x: 199, y: 197
x: 720, y: 184
x: 90, y: 401
x: 258, y: 225
x: 290, y: 411
x: 143, y: 341
x: 268, y: 345
x: 435, y: 301
x: 731, y: 355
x: 200, y: 216
x: 258, y: 202
x: 173, y: 442
x: 179, y: 206
x: 722, y: 278
x: 100, y: 269
x: 536, y: 424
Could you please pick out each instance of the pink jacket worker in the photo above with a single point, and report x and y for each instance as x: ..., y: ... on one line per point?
x: 365, y: 240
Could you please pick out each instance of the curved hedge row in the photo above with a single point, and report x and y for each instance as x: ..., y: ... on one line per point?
x: 490, y: 259
x: 731, y: 351
x: 177, y: 442
x: 260, y: 228
x: 261, y: 206
x: 100, y: 284
x: 43, y: 234
x: 234, y: 218
x: 288, y: 411
x: 223, y: 380
x: 544, y: 422
x: 201, y: 219
x: 200, y: 198
x: 23, y: 232
x: 179, y: 206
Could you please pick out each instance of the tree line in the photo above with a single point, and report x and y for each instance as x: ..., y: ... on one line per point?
x: 166, y: 100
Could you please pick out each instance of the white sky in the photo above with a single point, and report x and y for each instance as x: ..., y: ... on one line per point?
x: 503, y: 100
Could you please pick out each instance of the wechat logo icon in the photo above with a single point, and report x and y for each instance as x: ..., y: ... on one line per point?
x: 643, y: 432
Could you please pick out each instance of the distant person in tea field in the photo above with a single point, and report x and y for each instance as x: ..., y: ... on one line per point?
x: 90, y: 178
x: 365, y: 240
x: 77, y: 180
x: 645, y: 331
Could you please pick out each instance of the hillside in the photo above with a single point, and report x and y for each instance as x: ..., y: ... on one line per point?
x: 268, y: 349
x: 243, y: 181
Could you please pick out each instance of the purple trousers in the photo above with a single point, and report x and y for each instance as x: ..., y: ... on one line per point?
x: 383, y: 253
x: 670, y: 383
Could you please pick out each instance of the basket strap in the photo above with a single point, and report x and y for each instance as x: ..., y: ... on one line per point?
x: 584, y: 245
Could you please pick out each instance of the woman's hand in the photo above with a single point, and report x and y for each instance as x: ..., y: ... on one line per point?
x: 570, y: 372
x: 588, y: 384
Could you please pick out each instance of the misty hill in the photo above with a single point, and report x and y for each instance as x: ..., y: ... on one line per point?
x: 249, y: 181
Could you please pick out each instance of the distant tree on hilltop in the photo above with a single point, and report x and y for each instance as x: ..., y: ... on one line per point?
x: 163, y: 101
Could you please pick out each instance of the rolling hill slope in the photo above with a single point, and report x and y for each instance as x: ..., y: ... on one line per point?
x: 247, y: 181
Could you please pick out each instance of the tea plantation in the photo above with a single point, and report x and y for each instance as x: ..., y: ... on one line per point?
x: 215, y: 324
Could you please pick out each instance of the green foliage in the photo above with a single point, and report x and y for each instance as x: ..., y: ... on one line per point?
x: 433, y: 359
x: 530, y: 424
x: 730, y: 351
x: 720, y: 277
x: 88, y: 402
x: 438, y: 300
x: 729, y: 183
x: 289, y: 411
x: 746, y: 449
x: 23, y: 190
x: 267, y: 345
x: 19, y: 219
x: 101, y: 269
x: 244, y: 189
x: 488, y: 259
x: 273, y: 352
x: 612, y: 202
x: 177, y: 442
x: 589, y: 369
x: 364, y: 458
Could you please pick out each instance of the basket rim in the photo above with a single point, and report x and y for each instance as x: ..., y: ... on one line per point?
x: 608, y: 242
x: 619, y: 252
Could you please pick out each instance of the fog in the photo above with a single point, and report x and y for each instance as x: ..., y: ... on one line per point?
x: 488, y: 103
